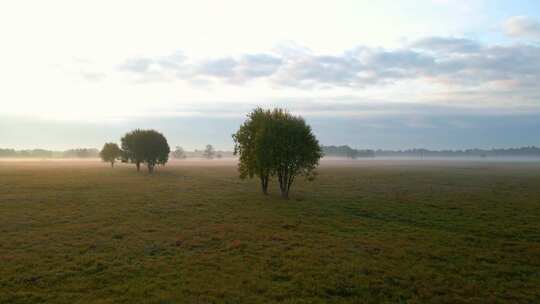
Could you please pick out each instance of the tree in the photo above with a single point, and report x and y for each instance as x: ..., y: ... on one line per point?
x: 209, y: 152
x: 130, y: 148
x: 110, y: 153
x: 249, y: 146
x: 146, y: 146
x: 179, y: 153
x: 276, y: 143
x: 293, y: 149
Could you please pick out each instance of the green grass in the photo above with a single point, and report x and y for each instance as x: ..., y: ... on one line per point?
x: 398, y: 233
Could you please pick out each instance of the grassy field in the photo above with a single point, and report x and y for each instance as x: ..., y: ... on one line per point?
x: 369, y: 231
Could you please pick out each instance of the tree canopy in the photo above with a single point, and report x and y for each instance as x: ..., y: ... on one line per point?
x: 276, y: 143
x: 145, y: 146
x: 249, y: 146
x: 110, y: 153
x: 294, y: 149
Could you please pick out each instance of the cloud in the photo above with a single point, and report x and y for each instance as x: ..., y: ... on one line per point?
x: 241, y: 69
x: 519, y: 64
x: 222, y: 67
x: 259, y: 65
x: 449, y: 61
x: 233, y: 70
x: 447, y: 45
x: 136, y: 65
x: 157, y: 68
x: 92, y: 76
x: 522, y: 27
x: 312, y: 70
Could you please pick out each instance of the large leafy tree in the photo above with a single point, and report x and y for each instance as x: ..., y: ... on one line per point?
x: 276, y: 143
x: 146, y: 146
x: 110, y: 153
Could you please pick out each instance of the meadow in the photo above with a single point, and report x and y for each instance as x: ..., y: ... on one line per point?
x: 368, y: 231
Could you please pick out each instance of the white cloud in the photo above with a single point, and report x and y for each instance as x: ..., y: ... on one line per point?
x: 447, y: 45
x: 522, y: 27
x: 453, y: 61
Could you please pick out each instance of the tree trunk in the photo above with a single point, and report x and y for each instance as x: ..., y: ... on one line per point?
x: 283, y: 186
x: 289, y: 184
x: 264, y: 184
x: 112, y: 164
x: 138, y: 164
x: 285, y: 193
x: 150, y: 168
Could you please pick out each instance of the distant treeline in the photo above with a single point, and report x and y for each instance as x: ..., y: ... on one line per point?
x: 40, y: 153
x: 346, y: 151
x: 94, y: 153
x: 332, y: 151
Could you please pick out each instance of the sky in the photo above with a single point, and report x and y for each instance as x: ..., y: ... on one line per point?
x: 437, y: 74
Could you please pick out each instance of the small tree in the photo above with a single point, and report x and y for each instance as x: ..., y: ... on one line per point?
x: 209, y: 152
x: 110, y: 153
x: 179, y: 153
x: 146, y: 146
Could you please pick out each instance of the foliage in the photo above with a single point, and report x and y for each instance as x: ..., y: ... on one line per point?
x: 346, y: 151
x: 250, y: 146
x: 131, y: 148
x: 524, y: 152
x: 291, y: 148
x: 110, y: 153
x: 145, y: 146
x: 81, y: 153
x: 38, y: 153
x: 209, y: 152
x: 276, y: 143
x: 41, y: 153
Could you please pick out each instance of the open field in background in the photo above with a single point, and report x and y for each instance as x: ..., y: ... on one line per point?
x: 364, y: 231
